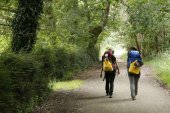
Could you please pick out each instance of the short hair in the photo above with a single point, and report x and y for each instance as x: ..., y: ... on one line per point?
x: 110, y: 49
x: 133, y: 48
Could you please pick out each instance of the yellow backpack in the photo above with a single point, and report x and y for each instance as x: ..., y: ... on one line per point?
x: 133, y: 68
x: 107, y: 65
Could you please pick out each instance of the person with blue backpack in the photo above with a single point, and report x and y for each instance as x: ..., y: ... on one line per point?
x: 134, y: 62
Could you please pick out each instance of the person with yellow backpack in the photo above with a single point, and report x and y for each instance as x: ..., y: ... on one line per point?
x: 134, y: 62
x: 109, y: 66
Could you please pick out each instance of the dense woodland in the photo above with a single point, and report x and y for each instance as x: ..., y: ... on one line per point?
x: 46, y: 40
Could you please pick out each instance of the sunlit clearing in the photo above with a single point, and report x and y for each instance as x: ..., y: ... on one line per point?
x: 66, y: 85
x: 113, y: 43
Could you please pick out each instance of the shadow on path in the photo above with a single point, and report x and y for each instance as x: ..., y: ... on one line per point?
x: 118, y: 100
x: 92, y: 98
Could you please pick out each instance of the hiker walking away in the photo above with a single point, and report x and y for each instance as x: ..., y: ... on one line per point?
x: 134, y: 61
x: 109, y: 74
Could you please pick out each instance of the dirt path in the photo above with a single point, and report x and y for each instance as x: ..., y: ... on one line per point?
x: 90, y: 98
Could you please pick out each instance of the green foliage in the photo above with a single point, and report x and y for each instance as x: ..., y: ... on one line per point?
x: 4, y: 43
x: 74, y: 21
x: 65, y: 45
x: 25, y: 84
x: 65, y: 61
x: 25, y: 78
x: 6, y: 94
x: 161, y: 65
x: 147, y: 25
x: 25, y: 25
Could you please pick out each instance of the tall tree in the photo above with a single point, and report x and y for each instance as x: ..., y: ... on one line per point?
x: 25, y: 25
x: 147, y: 21
x: 97, y: 29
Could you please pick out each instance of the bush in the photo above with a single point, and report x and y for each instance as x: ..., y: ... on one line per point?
x: 24, y: 82
x: 6, y: 95
x: 63, y: 63
x: 25, y: 78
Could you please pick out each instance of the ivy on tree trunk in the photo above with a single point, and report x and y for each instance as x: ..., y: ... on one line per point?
x: 25, y: 25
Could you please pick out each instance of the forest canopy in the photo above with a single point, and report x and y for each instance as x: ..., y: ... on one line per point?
x: 51, y: 40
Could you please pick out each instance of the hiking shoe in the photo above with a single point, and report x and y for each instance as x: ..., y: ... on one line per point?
x: 133, y: 98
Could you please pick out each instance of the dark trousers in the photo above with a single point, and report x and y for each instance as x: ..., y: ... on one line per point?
x: 110, y: 76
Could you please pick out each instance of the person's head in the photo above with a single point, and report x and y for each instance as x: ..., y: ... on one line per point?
x: 110, y: 50
x: 133, y: 48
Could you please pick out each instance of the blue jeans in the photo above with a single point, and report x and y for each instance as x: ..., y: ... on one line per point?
x: 134, y: 84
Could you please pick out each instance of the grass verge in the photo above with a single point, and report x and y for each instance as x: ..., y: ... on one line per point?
x: 66, y: 85
x: 161, y: 65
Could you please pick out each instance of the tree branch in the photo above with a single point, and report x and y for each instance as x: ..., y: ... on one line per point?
x: 106, y: 14
x: 96, y: 30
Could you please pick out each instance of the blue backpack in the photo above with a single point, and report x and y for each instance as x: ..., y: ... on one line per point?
x: 134, y: 55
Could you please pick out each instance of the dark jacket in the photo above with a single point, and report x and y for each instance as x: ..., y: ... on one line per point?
x: 110, y: 56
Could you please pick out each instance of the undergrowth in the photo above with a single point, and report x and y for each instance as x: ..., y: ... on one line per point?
x: 161, y: 65
x: 25, y: 78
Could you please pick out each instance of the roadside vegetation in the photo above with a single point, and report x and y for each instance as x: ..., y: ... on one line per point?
x: 161, y: 65
x: 146, y: 25
x: 44, y: 42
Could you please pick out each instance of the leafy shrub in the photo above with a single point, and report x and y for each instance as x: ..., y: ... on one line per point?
x: 25, y: 78
x: 6, y: 95
x: 24, y: 81
x: 64, y: 62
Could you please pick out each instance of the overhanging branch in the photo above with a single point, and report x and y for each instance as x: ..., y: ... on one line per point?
x: 106, y: 14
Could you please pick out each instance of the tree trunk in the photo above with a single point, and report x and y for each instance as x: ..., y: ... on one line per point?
x: 137, y: 44
x: 106, y: 14
x: 96, y: 30
x: 25, y: 25
x: 156, y: 44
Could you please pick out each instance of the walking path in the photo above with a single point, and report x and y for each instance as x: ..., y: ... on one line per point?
x: 90, y: 98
